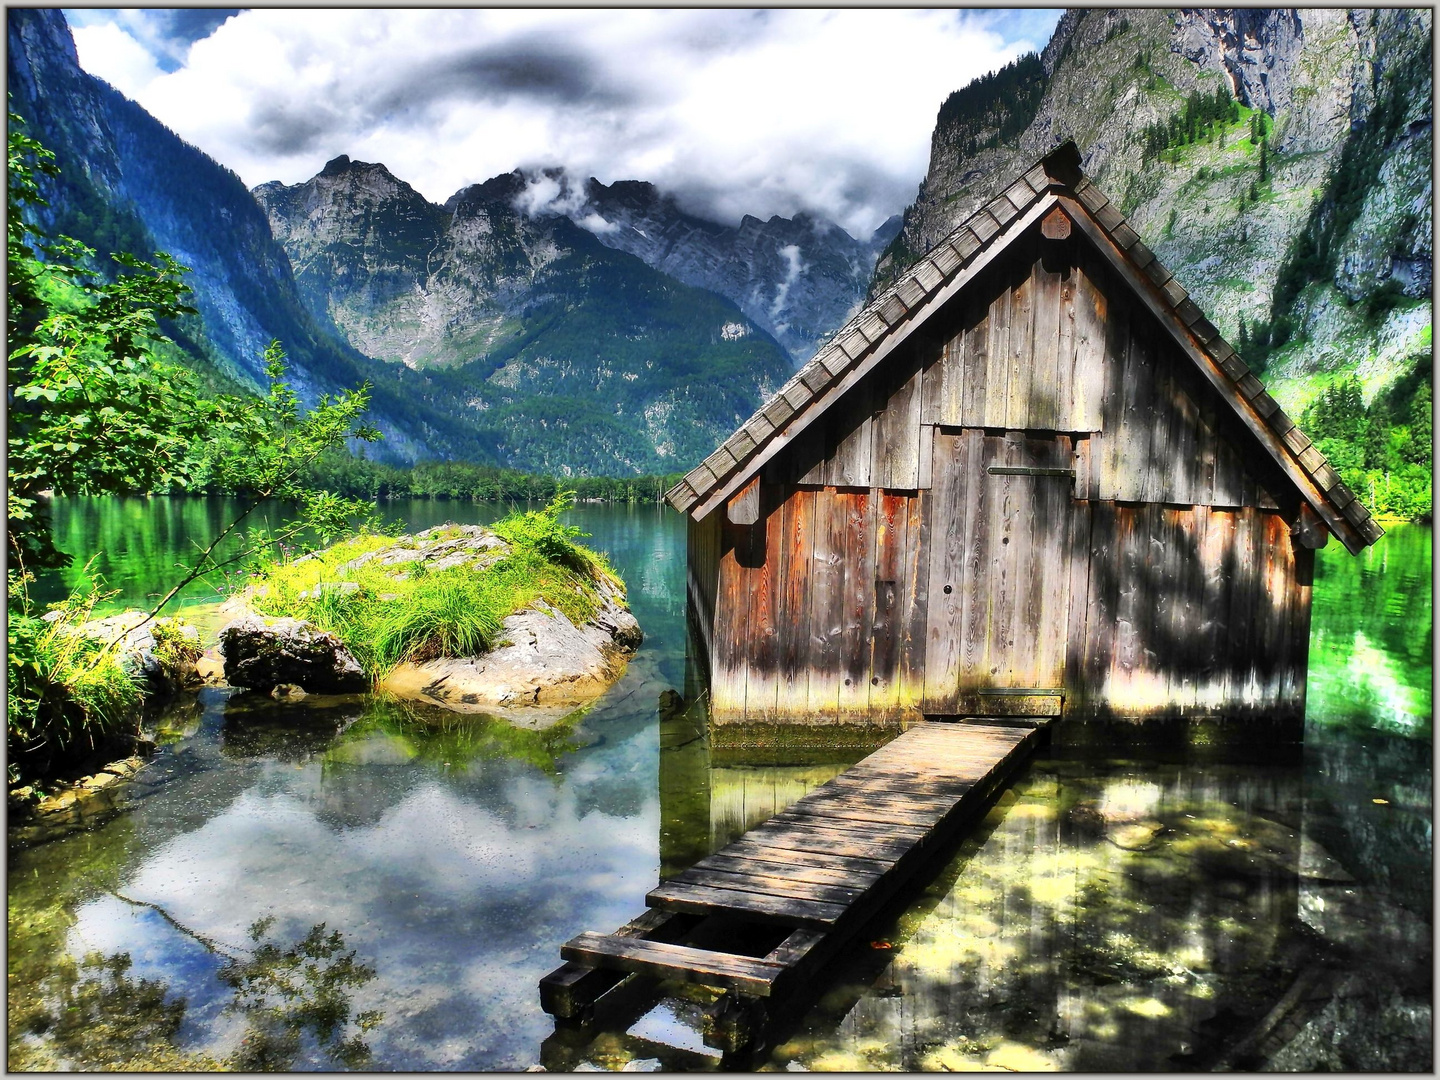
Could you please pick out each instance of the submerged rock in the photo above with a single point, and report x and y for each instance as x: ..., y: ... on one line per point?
x: 261, y: 654
x: 211, y: 668
x: 1135, y: 835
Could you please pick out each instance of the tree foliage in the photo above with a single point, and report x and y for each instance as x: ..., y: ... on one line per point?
x: 1202, y: 119
x: 1382, y: 451
x: 93, y: 410
x: 994, y: 108
x: 358, y: 477
x: 90, y: 408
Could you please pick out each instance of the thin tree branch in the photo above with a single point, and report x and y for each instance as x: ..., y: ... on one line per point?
x: 230, y: 952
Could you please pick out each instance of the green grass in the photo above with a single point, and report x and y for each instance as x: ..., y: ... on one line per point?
x: 67, y: 693
x: 427, y: 614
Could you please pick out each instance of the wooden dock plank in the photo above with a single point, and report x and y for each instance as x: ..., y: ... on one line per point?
x: 867, y: 831
x: 822, y: 866
x: 840, y: 841
x: 572, y: 988
x: 900, y: 802
x: 749, y: 864
x: 771, y: 884
x: 881, y: 810
x: 746, y: 973
x: 746, y: 847
x: 762, y: 907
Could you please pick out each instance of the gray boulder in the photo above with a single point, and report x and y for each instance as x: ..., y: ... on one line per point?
x: 545, y: 668
x: 261, y: 654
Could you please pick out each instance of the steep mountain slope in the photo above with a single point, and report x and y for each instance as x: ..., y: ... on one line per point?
x: 797, y: 279
x: 1299, y: 219
x: 800, y: 278
x: 128, y: 183
x: 571, y: 355
x: 526, y: 342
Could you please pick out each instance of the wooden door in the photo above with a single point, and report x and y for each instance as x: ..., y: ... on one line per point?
x: 999, y: 573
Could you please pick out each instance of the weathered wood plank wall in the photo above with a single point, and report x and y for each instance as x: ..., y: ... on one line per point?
x: 1159, y: 578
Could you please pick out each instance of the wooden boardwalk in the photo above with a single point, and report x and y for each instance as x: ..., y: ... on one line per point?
x: 810, y: 876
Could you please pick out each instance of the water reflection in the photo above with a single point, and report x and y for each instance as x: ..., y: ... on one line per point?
x: 451, y: 853
x: 1372, y: 635
x: 1132, y: 918
x: 1108, y: 914
x: 294, y: 999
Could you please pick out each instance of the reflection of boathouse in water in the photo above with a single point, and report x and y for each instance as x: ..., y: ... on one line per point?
x: 1029, y: 479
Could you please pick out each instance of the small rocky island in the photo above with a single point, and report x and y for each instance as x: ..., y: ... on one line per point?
x: 505, y: 621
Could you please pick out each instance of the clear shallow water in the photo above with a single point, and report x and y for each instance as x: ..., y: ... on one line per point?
x: 1109, y: 915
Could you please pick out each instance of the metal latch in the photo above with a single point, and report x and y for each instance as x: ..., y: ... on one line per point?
x: 1025, y: 470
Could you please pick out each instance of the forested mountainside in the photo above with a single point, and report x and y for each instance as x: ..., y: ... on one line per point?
x: 128, y: 183
x: 564, y: 355
x: 577, y: 357
x: 1278, y: 161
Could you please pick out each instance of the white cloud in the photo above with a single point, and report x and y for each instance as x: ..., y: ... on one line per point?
x: 794, y: 267
x: 597, y: 224
x: 734, y: 111
x: 107, y: 51
x: 545, y: 194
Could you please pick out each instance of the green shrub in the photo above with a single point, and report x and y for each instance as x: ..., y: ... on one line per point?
x: 540, y: 531
x: 67, y: 692
x: 173, y: 647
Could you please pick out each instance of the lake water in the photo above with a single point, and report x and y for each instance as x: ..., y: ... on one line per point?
x: 1108, y: 915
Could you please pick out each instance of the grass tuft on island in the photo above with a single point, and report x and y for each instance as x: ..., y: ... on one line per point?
x: 413, y: 614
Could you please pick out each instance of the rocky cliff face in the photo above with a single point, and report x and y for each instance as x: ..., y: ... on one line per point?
x: 799, y: 278
x: 574, y: 357
x: 1326, y: 248
x: 796, y: 279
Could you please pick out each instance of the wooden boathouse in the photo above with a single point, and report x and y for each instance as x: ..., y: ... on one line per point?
x: 1029, y: 479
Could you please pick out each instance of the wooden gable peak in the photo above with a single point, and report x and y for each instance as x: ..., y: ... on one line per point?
x: 1055, y: 180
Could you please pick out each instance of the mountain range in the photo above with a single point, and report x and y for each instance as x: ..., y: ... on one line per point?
x: 492, y: 328
x: 1278, y: 160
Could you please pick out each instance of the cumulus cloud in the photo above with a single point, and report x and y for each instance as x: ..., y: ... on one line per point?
x: 734, y: 112
x: 165, y: 34
x: 550, y: 194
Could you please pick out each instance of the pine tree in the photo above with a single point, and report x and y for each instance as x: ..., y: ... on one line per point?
x: 1264, y: 162
x: 1421, y: 424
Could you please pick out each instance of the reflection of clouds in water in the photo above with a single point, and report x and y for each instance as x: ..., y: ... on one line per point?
x: 458, y: 909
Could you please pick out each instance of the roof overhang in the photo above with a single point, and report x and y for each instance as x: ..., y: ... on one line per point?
x: 884, y: 325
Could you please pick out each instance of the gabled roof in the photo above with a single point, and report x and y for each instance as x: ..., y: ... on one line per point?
x: 872, y: 334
